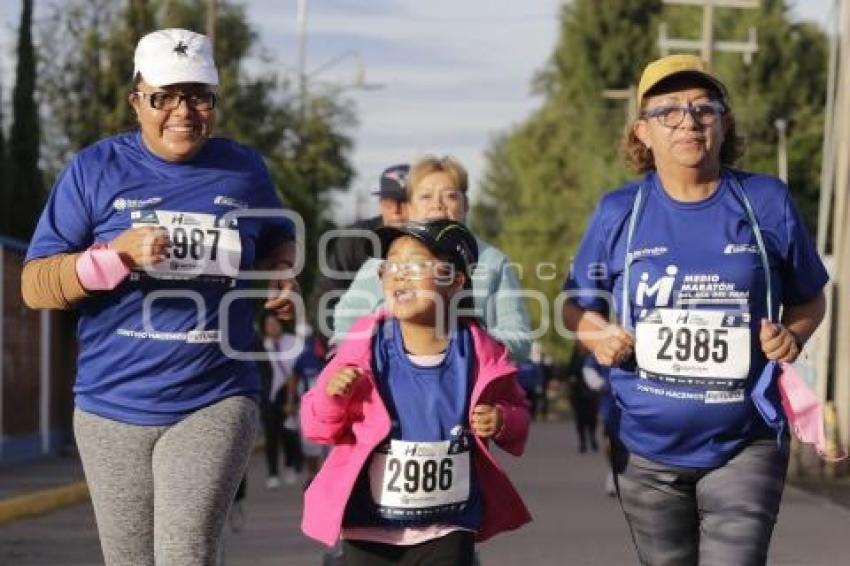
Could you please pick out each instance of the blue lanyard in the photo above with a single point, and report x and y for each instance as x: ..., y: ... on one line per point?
x: 637, y: 208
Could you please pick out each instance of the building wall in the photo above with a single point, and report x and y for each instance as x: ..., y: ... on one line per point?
x: 20, y: 353
x: 24, y: 432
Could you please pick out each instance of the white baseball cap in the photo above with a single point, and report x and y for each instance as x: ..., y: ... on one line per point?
x: 171, y: 56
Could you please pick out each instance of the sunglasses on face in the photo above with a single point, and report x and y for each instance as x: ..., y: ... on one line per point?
x: 163, y: 100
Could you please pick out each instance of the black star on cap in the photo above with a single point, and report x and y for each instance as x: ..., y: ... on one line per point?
x: 181, y: 48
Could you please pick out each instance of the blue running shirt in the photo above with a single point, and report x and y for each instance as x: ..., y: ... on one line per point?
x: 697, y: 294
x: 157, y: 374
x: 428, y: 406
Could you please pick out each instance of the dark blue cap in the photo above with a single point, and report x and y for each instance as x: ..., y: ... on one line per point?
x: 393, y: 182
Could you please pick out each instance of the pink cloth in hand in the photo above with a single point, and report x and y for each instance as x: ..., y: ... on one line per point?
x: 803, y: 410
x: 100, y: 268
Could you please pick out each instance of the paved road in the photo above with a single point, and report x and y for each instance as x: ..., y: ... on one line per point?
x: 575, y: 523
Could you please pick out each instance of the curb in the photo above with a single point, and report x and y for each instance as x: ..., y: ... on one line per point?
x: 43, y: 501
x: 46, y: 500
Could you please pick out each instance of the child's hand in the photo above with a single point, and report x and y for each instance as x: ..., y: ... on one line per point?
x: 342, y: 383
x: 486, y: 420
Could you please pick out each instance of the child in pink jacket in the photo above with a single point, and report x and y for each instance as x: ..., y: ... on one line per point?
x: 410, y: 404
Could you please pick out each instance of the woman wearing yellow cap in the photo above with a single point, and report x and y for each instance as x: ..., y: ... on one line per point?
x: 677, y: 286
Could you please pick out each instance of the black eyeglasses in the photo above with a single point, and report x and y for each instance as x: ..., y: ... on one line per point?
x: 162, y: 100
x: 671, y: 116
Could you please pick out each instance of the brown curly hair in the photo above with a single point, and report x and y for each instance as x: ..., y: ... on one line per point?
x: 639, y: 158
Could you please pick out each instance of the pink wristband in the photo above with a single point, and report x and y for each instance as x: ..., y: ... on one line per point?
x: 100, y: 268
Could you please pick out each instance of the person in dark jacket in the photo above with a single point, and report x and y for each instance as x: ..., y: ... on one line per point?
x: 347, y: 252
x: 584, y: 400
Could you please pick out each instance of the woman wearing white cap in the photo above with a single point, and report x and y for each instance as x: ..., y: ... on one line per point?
x: 150, y: 236
x: 694, y: 261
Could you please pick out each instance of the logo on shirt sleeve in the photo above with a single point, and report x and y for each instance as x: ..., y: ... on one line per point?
x: 740, y: 249
x: 120, y: 204
x: 229, y: 201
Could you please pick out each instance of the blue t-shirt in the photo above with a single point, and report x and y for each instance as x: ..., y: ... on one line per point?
x: 307, y: 367
x: 529, y: 374
x: 158, y: 373
x: 694, y: 256
x: 426, y: 404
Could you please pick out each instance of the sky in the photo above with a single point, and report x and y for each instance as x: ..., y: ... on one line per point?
x: 443, y: 76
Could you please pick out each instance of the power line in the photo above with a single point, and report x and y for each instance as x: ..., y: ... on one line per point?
x: 524, y: 19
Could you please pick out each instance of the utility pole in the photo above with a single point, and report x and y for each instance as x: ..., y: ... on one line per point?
x: 828, y: 169
x: 627, y: 94
x: 212, y: 18
x: 302, y: 54
x: 781, y: 149
x: 706, y: 45
x: 359, y: 204
x: 840, y: 273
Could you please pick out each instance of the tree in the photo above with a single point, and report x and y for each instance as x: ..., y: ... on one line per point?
x: 25, y: 179
x: 137, y: 19
x: 543, y: 178
x: 86, y: 55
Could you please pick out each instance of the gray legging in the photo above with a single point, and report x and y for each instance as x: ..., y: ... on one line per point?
x: 161, y: 493
x: 718, y: 517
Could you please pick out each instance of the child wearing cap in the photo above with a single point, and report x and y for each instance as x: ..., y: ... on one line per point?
x: 410, y: 404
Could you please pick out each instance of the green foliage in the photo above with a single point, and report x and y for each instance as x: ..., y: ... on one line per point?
x: 136, y: 20
x: 543, y: 177
x: 25, y: 186
x: 86, y: 56
x: 312, y: 161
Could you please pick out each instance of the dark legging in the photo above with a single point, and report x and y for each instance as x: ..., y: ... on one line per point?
x: 293, y: 456
x: 277, y: 437
x: 454, y: 549
x: 272, y: 425
x: 585, y: 411
x: 711, y: 517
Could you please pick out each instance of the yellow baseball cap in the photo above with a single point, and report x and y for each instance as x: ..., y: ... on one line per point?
x: 670, y: 65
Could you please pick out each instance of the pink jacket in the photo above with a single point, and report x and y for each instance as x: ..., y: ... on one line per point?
x: 355, y: 428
